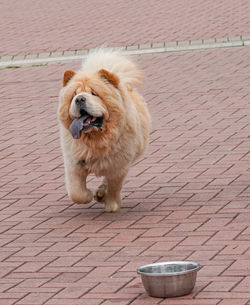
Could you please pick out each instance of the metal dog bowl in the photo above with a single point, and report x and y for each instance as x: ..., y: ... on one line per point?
x: 169, y: 279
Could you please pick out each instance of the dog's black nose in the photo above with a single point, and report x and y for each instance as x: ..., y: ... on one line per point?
x: 80, y: 101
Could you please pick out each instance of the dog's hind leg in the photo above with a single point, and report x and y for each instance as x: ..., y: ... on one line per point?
x: 99, y: 194
x: 113, y: 193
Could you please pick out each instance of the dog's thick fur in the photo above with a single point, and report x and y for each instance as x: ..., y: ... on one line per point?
x: 111, y: 150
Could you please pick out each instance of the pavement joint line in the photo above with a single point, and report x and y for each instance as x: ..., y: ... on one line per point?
x: 137, y: 49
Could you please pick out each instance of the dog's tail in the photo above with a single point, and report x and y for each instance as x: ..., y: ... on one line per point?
x: 114, y: 62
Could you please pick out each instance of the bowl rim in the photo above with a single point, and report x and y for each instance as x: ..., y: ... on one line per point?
x: 196, y: 268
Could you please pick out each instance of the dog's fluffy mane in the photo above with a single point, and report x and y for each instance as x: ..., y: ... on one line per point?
x: 114, y: 62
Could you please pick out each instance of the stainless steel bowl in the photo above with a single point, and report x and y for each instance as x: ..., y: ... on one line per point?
x: 169, y: 279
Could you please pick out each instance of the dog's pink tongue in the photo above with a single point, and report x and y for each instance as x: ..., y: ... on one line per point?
x: 76, y: 127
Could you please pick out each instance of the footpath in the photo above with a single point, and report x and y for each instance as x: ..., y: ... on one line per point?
x: 186, y: 199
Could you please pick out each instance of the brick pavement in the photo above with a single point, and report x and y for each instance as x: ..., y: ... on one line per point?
x: 188, y: 198
x: 29, y: 27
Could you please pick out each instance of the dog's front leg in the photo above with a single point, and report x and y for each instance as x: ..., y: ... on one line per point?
x: 113, y: 194
x: 75, y: 175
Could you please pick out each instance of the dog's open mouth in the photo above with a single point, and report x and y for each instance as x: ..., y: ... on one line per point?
x: 84, y: 123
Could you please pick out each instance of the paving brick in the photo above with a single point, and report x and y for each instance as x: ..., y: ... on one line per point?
x: 110, y: 287
x: 101, y: 272
x: 212, y: 270
x: 118, y: 302
x: 245, y: 37
x: 156, y: 232
x: 71, y: 293
x: 239, y: 267
x: 110, y: 296
x: 144, y: 299
x: 235, y: 38
x: 195, y: 240
x: 183, y: 43
x: 220, y: 286
x: 145, y: 46
x: 30, y: 56
x: 226, y: 295
x: 7, y: 58
x: 10, y: 298
x: 224, y: 39
x: 234, y: 249
x: 8, y: 301
x: 150, y: 219
x: 35, y: 298
x: 181, y: 301
x: 242, y: 286
x: 67, y: 301
x: 31, y: 267
x: 82, y: 52
x: 69, y: 53
x: 246, y: 42
x: 158, y: 45
x: 32, y: 283
x: 195, y: 42
x: 202, y: 255
x: 234, y: 302
x: 132, y: 48
x: 209, y: 41
x: 44, y: 55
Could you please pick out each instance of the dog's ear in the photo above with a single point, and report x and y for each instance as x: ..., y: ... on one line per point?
x: 110, y: 77
x: 67, y: 77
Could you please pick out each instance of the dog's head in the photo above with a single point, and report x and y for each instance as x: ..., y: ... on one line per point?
x: 91, y: 104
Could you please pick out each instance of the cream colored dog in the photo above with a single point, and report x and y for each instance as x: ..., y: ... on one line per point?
x: 104, y: 125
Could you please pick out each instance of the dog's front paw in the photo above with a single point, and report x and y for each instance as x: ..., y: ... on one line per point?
x: 112, y: 206
x: 81, y: 197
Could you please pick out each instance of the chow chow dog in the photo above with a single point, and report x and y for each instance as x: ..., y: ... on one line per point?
x: 104, y: 125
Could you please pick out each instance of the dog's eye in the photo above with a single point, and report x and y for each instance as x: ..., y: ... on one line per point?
x: 93, y: 93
